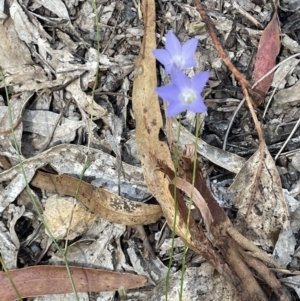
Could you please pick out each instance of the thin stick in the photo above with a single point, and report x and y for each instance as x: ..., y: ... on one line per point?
x: 246, y: 14
x: 254, y: 116
x: 288, y: 139
x: 231, y: 122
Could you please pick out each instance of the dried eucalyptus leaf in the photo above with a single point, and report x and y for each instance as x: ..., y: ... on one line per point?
x: 262, y: 210
x: 99, y: 201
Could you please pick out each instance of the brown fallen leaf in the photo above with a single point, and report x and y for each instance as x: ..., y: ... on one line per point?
x: 101, y: 202
x: 268, y: 49
x: 262, y: 210
x: 46, y: 280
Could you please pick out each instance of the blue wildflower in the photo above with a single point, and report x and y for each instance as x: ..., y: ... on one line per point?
x: 184, y: 93
x: 176, y: 54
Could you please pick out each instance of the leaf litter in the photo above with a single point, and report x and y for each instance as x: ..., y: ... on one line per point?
x: 49, y: 60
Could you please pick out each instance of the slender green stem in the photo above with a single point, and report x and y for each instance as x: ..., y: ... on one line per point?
x: 176, y: 210
x: 189, y: 208
x: 10, y: 279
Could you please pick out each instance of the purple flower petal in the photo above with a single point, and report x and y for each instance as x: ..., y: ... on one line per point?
x: 168, y: 93
x: 179, y: 79
x: 162, y: 55
x: 189, y: 63
x: 199, y: 81
x: 168, y: 68
x: 172, y: 44
x: 174, y: 109
x: 189, y: 48
x: 198, y: 106
x: 175, y: 54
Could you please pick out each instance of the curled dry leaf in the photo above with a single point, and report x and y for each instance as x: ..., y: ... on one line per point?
x: 268, y: 49
x: 46, y: 280
x: 102, y: 202
x: 197, y: 199
x: 262, y: 211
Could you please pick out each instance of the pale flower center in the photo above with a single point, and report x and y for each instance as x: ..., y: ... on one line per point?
x: 178, y: 61
x: 187, y: 96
